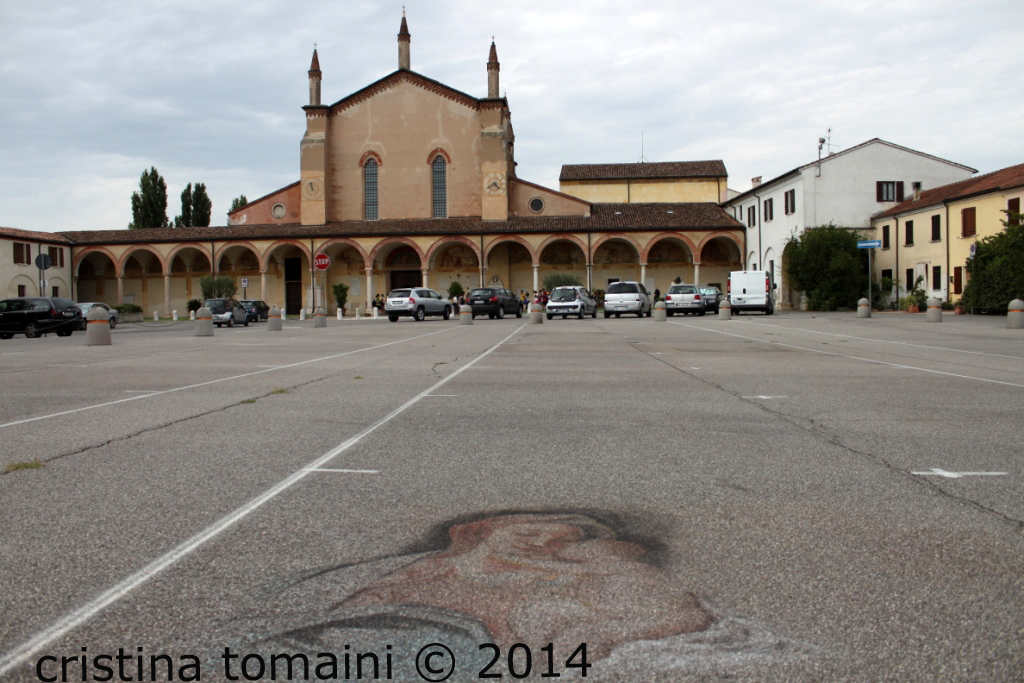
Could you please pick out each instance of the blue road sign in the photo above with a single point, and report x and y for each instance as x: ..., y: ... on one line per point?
x: 869, y: 244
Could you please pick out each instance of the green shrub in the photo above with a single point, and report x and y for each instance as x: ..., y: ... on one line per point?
x: 553, y: 280
x: 340, y: 291
x: 194, y: 304
x: 217, y: 287
x: 996, y: 273
x: 826, y: 264
x: 455, y: 290
x: 599, y: 295
x: 128, y: 308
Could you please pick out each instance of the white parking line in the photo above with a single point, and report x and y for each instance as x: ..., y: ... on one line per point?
x: 222, y: 379
x: 83, y: 614
x: 324, y: 469
x: 935, y: 471
x: 844, y: 355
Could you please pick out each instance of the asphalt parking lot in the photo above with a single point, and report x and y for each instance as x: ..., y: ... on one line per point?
x: 800, y: 497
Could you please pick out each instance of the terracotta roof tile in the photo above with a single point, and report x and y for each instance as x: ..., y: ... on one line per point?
x: 54, y: 237
x: 662, y: 169
x: 1006, y: 178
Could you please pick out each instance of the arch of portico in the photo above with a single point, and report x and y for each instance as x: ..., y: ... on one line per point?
x: 560, y: 254
x: 394, y: 262
x: 348, y: 266
x: 286, y: 264
x: 719, y: 255
x: 94, y: 272
x: 452, y: 259
x: 668, y: 256
x: 188, y: 264
x: 143, y: 279
x: 615, y: 257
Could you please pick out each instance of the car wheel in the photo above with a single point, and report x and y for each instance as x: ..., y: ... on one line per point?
x: 701, y: 312
x: 231, y: 321
x: 618, y: 315
x: 30, y: 331
x: 670, y: 313
x: 519, y: 312
x: 421, y: 314
x: 473, y: 316
x: 6, y: 335
x: 593, y: 314
x: 501, y: 313
x: 649, y: 311
x: 640, y: 313
x: 580, y: 315
x: 113, y: 323
x: 246, y: 323
x: 393, y: 318
x: 607, y: 315
x: 550, y: 316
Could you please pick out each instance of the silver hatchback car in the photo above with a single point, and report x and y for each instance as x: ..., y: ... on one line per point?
x: 566, y: 301
x: 627, y: 297
x: 685, y: 299
x: 417, y: 303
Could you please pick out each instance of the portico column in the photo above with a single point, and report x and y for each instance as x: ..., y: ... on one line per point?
x: 369, y: 287
x: 643, y: 274
x: 167, y: 294
x: 536, y: 276
x: 424, y: 271
x: 120, y: 289
x: 263, y: 285
x: 590, y: 276
x: 696, y: 273
x: 481, y: 275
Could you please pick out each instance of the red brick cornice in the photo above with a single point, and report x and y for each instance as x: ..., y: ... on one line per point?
x: 403, y: 76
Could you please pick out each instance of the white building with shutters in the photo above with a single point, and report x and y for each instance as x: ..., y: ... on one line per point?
x: 844, y: 188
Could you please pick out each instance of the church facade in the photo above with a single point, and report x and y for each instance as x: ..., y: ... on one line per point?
x: 411, y: 182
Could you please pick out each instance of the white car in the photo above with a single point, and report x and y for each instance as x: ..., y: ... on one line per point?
x: 685, y: 299
x: 627, y: 297
x: 227, y: 312
x: 416, y: 303
x: 571, y: 300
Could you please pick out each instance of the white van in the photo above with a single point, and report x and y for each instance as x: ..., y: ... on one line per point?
x: 751, y: 290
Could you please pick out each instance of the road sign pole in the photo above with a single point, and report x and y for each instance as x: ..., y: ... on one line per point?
x: 871, y: 276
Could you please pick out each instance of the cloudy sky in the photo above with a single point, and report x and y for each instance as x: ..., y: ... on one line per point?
x: 94, y: 92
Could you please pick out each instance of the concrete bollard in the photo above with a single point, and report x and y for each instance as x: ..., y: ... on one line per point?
x: 174, y: 315
x: 934, y: 314
x: 319, y: 318
x: 284, y: 313
x: 191, y: 315
x: 156, y: 316
x: 864, y: 308
x: 302, y: 314
x: 375, y: 313
x: 725, y: 310
x: 339, y: 314
x: 465, y: 314
x: 1015, y: 315
x: 204, y: 322
x: 536, y: 314
x: 274, y: 320
x: 97, y: 330
x: 660, y: 315
x: 359, y: 312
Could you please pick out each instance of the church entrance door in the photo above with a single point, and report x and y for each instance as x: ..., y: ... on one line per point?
x: 401, y: 279
x: 293, y: 285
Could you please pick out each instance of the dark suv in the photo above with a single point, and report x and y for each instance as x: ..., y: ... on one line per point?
x: 495, y: 302
x: 35, y: 316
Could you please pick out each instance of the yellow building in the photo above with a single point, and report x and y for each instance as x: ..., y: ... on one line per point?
x: 410, y: 182
x: 670, y: 181
x: 932, y: 235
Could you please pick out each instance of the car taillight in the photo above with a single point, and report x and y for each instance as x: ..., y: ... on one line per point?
x: 493, y: 299
x: 668, y: 297
x: 53, y: 312
x: 767, y: 285
x: 696, y: 297
x: 411, y: 300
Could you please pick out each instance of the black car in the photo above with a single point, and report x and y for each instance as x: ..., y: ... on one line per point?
x: 35, y: 316
x: 255, y: 310
x: 495, y: 302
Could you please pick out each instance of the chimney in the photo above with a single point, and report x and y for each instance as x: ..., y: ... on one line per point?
x: 917, y: 189
x: 755, y: 182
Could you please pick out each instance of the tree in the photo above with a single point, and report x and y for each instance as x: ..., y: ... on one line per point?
x: 553, y: 280
x: 217, y: 287
x: 996, y: 273
x: 149, y: 204
x: 196, y: 207
x: 340, y: 291
x: 826, y: 264
x: 238, y: 202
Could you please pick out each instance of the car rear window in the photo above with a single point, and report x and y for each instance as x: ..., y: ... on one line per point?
x: 215, y: 306
x: 682, y: 289
x: 400, y: 294
x: 482, y: 292
x: 561, y: 294
x: 622, y: 288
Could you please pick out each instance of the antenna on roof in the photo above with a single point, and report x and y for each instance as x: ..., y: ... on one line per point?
x: 643, y: 159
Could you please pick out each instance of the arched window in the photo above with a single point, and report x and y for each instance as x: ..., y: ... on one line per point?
x: 440, y: 186
x: 370, y: 190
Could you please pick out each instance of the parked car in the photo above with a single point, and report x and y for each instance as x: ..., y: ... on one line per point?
x: 627, y: 297
x: 417, y: 303
x: 752, y: 290
x: 566, y: 301
x: 227, y: 312
x: 712, y: 298
x: 495, y: 302
x: 86, y: 307
x: 685, y: 299
x: 255, y: 310
x: 35, y: 316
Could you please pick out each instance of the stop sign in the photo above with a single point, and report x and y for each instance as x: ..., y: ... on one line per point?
x: 322, y: 261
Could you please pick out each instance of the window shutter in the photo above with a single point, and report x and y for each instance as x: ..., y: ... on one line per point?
x: 899, y: 190
x: 1013, y: 206
x: 878, y: 191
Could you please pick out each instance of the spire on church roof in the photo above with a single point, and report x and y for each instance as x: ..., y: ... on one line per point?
x: 492, y: 73
x: 403, y: 32
x: 314, y: 67
x: 403, y: 45
x: 493, y: 59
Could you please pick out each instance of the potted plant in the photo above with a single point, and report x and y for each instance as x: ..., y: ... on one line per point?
x: 340, y: 291
x: 959, y: 308
x: 915, y: 298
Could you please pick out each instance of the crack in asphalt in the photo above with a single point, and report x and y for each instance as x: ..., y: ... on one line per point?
x: 821, y: 432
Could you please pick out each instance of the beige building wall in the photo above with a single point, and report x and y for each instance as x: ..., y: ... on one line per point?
x: 669, y: 190
x: 12, y: 274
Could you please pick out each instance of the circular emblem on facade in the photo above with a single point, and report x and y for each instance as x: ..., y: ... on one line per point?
x: 536, y: 205
x: 277, y: 210
x: 494, y: 184
x: 312, y: 188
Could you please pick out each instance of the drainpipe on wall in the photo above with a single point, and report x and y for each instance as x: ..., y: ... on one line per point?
x: 760, y: 220
x: 896, y: 239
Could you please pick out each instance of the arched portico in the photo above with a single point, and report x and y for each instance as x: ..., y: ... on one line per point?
x: 453, y: 259
x: 287, y: 267
x: 95, y: 275
x: 188, y: 264
x: 143, y: 279
x: 719, y: 255
x: 563, y: 254
x: 669, y: 257
x: 348, y: 266
x: 616, y: 257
